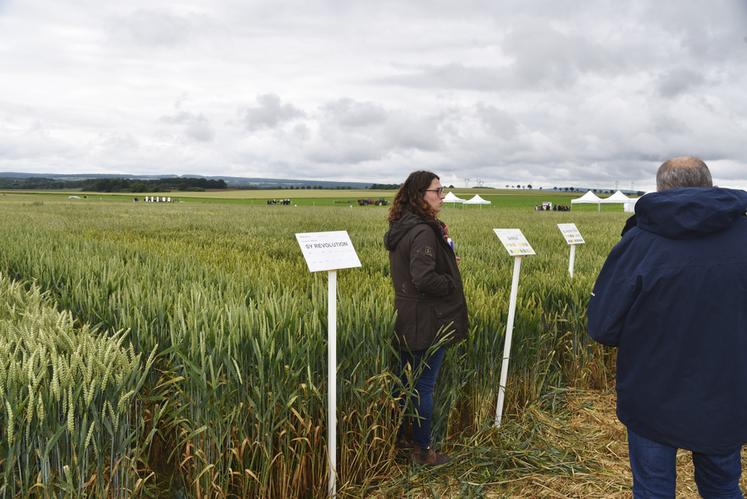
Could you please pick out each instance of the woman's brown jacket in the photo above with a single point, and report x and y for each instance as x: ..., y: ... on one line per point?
x: 428, y: 291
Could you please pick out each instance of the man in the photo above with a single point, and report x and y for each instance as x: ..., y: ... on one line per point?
x: 672, y: 297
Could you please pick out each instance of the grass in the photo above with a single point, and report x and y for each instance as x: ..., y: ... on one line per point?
x: 221, y: 291
x: 500, y: 198
x: 69, y: 417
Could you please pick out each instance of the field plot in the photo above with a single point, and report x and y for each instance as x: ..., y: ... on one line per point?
x: 234, y: 402
x: 501, y: 198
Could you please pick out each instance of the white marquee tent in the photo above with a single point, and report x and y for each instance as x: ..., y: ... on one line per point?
x: 588, y: 198
x: 618, y: 197
x: 477, y: 200
x: 453, y: 198
x: 629, y: 206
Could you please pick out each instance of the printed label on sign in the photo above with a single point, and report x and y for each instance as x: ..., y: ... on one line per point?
x: 514, y: 242
x: 571, y: 234
x: 328, y: 250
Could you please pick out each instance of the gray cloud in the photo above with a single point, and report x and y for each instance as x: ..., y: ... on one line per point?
x: 351, y: 114
x: 351, y: 131
x: 499, y: 122
x: 709, y: 33
x: 544, y: 91
x: 450, y: 76
x: 195, y: 126
x: 679, y: 81
x: 269, y: 113
x: 301, y: 132
x: 160, y: 27
x: 33, y: 140
x: 538, y: 56
x: 543, y: 56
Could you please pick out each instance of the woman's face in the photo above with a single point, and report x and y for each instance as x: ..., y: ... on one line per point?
x: 434, y: 195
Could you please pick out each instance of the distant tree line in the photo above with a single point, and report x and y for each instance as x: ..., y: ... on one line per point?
x: 115, y: 184
x: 30, y: 183
x: 160, y: 185
x: 272, y: 187
x: 595, y: 191
x: 338, y: 187
x: 384, y: 187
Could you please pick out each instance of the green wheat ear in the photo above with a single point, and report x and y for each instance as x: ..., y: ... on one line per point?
x: 50, y: 376
x: 218, y: 299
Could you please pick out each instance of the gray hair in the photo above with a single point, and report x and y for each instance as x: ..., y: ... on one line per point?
x: 685, y: 171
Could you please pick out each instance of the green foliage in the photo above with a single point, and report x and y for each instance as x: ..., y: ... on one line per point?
x: 116, y: 184
x: 223, y: 294
x: 70, y: 423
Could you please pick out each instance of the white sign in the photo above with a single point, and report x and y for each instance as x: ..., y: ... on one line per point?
x: 517, y: 246
x: 514, y: 242
x: 328, y: 250
x: 571, y: 234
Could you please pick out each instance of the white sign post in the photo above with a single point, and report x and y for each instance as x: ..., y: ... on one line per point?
x: 517, y: 246
x: 572, y: 237
x: 330, y: 251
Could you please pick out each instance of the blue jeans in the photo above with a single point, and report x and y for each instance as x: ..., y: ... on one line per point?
x: 655, y: 471
x: 423, y: 396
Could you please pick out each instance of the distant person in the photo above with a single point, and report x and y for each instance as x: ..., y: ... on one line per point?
x: 672, y: 297
x: 429, y: 298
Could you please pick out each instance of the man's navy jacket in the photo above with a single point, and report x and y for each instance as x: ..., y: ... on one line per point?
x: 672, y: 297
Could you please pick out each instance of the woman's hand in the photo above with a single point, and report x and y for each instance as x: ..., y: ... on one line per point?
x: 458, y: 259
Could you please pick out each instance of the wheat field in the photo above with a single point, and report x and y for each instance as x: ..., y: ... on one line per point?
x: 219, y: 335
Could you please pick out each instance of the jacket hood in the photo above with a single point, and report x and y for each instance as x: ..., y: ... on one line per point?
x: 690, y: 212
x: 399, y: 228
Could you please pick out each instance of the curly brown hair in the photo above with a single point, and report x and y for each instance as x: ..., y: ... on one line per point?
x: 410, y: 197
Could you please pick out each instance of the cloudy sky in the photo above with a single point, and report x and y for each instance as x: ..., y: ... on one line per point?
x: 548, y: 92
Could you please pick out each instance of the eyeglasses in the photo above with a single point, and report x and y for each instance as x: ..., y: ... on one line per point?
x: 440, y: 190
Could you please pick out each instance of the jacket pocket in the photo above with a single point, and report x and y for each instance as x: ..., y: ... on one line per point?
x: 426, y: 330
x: 450, y: 318
x: 405, y: 326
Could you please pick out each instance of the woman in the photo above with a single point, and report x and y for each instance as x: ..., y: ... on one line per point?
x: 429, y: 297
